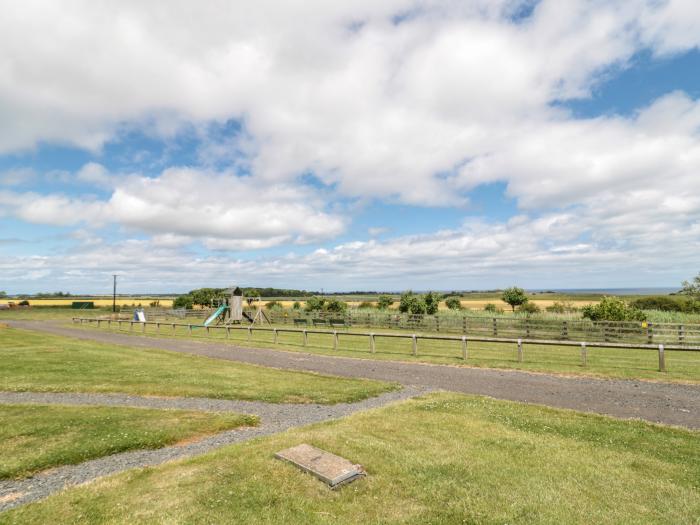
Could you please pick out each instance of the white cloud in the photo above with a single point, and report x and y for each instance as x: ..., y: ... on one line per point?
x: 225, y: 211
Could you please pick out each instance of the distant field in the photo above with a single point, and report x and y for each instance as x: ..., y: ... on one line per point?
x: 101, y: 301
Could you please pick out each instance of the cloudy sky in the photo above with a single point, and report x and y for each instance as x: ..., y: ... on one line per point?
x: 349, y: 145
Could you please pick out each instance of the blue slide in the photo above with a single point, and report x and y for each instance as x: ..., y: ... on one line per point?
x: 216, y: 314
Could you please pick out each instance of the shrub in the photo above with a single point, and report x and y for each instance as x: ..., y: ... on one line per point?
x: 692, y: 288
x: 384, y: 302
x: 490, y: 307
x: 514, y: 296
x: 562, y: 308
x: 453, y: 303
x: 365, y: 304
x: 273, y: 305
x: 411, y: 303
x: 336, y: 306
x: 432, y: 303
x: 612, y: 309
x: 529, y: 308
x: 23, y: 303
x: 296, y: 305
x: 659, y: 302
x: 314, y: 304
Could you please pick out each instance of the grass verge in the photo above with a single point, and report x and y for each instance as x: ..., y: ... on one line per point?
x: 445, y: 458
x: 681, y: 366
x: 37, y: 437
x: 32, y: 361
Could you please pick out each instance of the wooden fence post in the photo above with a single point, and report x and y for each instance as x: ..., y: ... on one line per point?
x: 335, y: 339
x: 415, y: 344
x: 650, y: 333
x: 158, y: 327
x: 464, y: 325
x: 173, y: 327
x: 495, y: 327
x: 662, y: 359
x: 228, y: 332
x: 274, y: 335
x: 564, y: 330
x: 372, y: 348
x: 584, y: 355
x: 131, y: 326
x: 250, y: 333
x: 520, y: 350
x: 465, y: 353
x: 681, y: 334
x: 189, y: 329
x: 305, y: 337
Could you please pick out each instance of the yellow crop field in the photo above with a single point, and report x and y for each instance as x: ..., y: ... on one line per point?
x: 101, y: 301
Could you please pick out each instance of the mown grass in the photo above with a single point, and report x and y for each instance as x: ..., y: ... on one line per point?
x: 37, y: 437
x: 33, y: 361
x: 445, y: 458
x: 681, y: 366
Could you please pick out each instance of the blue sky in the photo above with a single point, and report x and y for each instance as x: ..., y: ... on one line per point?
x: 466, y: 146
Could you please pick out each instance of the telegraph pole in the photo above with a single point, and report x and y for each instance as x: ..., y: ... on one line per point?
x: 114, y: 294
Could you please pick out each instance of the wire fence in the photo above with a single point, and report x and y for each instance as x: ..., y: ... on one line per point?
x: 372, y: 337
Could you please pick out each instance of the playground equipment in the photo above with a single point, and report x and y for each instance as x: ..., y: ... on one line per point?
x: 220, y: 311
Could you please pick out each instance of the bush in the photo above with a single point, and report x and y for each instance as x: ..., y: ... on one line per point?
x: 432, y: 303
x: 23, y: 303
x: 184, y: 301
x: 659, y: 302
x: 562, y: 308
x: 365, y: 304
x: 490, y: 307
x: 384, y: 302
x: 296, y: 305
x: 411, y: 303
x: 336, y: 306
x: 514, y: 296
x: 612, y: 309
x: 453, y: 303
x: 314, y: 304
x: 529, y: 308
x: 270, y: 305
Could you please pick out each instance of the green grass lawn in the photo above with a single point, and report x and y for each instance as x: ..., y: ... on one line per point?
x: 37, y: 437
x: 445, y: 458
x: 33, y: 361
x: 682, y: 366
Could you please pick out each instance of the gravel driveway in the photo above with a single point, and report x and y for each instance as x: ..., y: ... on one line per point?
x: 668, y: 403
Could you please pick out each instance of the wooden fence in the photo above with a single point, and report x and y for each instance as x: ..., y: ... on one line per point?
x: 372, y: 337
x: 509, y: 327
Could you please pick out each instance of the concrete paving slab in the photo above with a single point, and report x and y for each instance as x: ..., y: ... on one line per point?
x: 329, y: 468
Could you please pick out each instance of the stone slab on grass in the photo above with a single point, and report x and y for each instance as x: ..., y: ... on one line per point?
x: 329, y: 468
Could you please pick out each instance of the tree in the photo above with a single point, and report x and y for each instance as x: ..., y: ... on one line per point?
x: 692, y: 288
x: 3, y: 294
x: 384, y: 302
x: 432, y: 303
x: 612, y: 309
x: 514, y: 296
x: 184, y: 301
x: 453, y: 303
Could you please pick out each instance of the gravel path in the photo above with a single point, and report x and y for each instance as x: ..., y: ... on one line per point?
x: 668, y: 403
x: 274, y: 418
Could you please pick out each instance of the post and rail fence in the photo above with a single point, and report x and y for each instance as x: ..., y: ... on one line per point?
x: 373, y: 336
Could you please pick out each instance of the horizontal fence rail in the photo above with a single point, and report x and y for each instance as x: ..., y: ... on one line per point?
x: 520, y: 328
x: 372, y: 337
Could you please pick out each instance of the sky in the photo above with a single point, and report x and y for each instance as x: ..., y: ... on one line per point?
x: 373, y: 144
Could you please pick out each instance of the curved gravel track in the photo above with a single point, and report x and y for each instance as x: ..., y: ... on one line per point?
x: 274, y: 418
x: 668, y: 403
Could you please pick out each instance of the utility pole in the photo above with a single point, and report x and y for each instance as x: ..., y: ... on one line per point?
x: 114, y: 294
